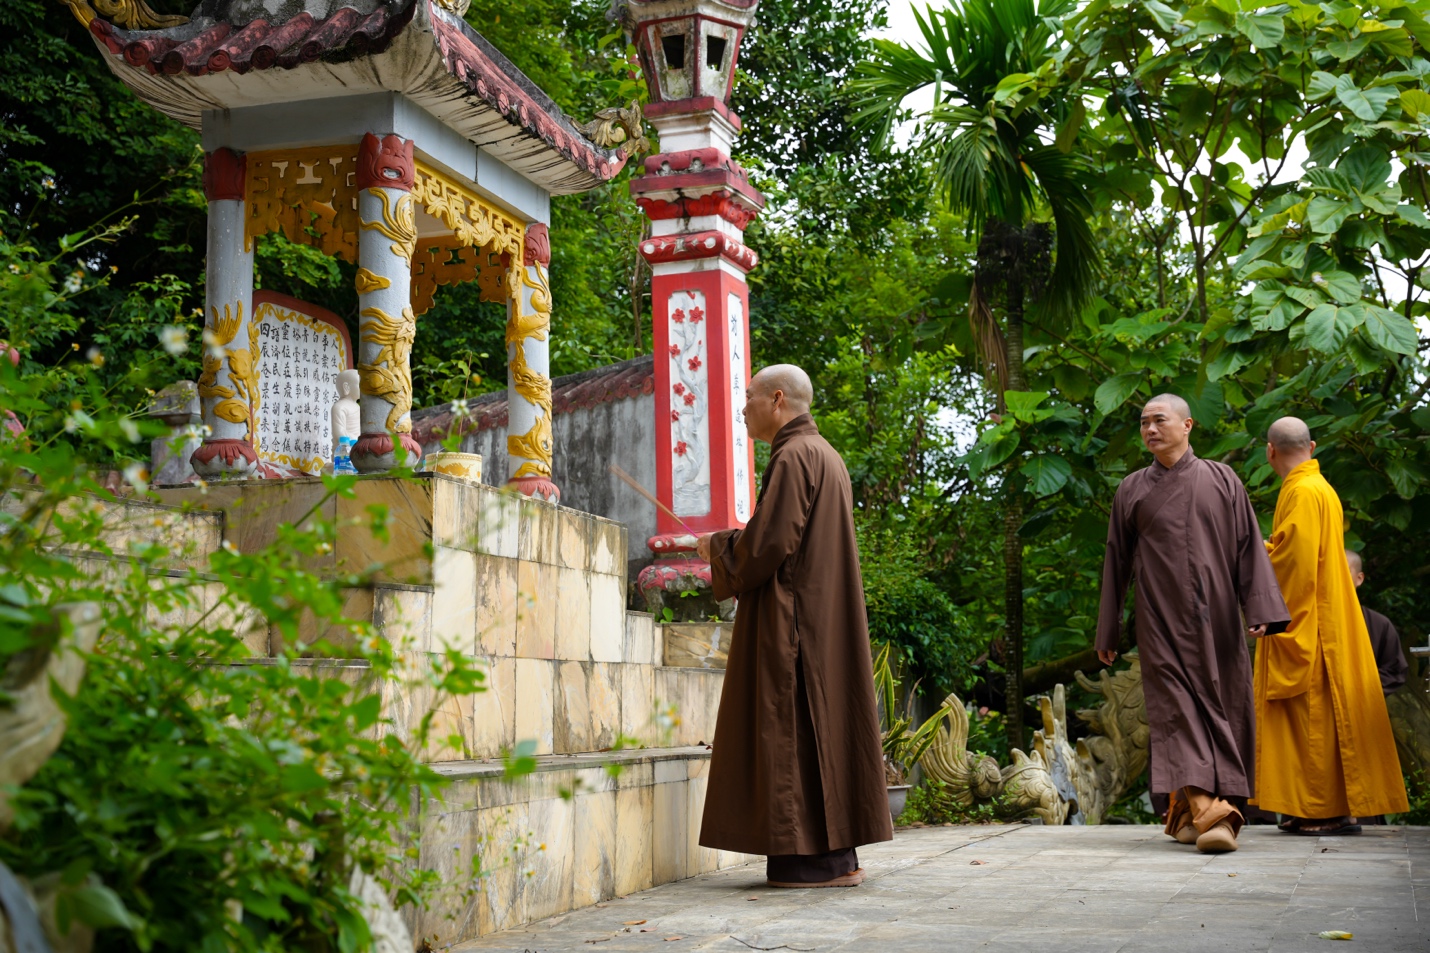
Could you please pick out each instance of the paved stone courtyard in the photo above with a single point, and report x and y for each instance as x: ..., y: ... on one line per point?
x: 1025, y: 888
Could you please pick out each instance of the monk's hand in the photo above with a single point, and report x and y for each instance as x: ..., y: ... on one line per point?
x: 702, y: 546
x: 1257, y: 631
x: 1107, y: 656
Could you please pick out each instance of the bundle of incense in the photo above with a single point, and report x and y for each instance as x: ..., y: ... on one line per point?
x: 630, y: 481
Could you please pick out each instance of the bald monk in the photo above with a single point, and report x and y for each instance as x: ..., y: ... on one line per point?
x: 1184, y: 528
x: 797, y: 768
x: 1384, y: 640
x: 1324, y: 747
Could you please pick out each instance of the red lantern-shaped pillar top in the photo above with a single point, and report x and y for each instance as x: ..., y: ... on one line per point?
x: 699, y: 201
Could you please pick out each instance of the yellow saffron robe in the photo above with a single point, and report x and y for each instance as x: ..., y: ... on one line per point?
x: 1324, y: 746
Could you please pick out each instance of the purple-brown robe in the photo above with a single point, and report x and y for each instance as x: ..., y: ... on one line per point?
x: 1189, y: 537
x: 797, y: 763
x: 1389, y: 656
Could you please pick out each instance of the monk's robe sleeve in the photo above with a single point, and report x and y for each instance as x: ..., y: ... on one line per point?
x: 745, y: 559
x: 1256, y: 585
x: 1295, y: 555
x: 1116, y: 572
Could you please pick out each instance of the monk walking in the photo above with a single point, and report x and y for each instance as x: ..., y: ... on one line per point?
x: 1384, y: 640
x: 1184, y: 528
x: 796, y: 771
x: 1324, y: 747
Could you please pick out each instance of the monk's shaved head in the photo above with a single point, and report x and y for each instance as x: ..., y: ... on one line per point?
x: 791, y: 380
x: 1354, y: 559
x: 1173, y: 403
x: 1290, y: 435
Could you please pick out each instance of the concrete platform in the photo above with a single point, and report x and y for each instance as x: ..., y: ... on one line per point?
x: 1023, y: 889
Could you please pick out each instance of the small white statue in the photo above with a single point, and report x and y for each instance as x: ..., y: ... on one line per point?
x: 347, y: 421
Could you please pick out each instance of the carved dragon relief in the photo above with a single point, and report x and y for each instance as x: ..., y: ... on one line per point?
x: 534, y: 446
x: 128, y: 14
x: 240, y: 367
x: 392, y: 382
x: 1058, y: 782
x: 617, y: 126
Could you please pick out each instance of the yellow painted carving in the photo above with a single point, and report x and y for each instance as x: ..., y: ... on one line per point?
x: 368, y: 282
x: 240, y: 367
x: 129, y: 14
x: 309, y: 196
x: 398, y: 222
x: 534, y: 445
x: 392, y: 382
x: 446, y: 261
x: 472, y: 219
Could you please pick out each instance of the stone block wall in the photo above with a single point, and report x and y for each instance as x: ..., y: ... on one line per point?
x: 535, y: 594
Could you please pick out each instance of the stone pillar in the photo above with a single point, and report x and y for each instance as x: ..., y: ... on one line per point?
x: 178, y: 407
x: 528, y: 377
x: 386, y: 322
x: 227, y: 382
x: 699, y: 202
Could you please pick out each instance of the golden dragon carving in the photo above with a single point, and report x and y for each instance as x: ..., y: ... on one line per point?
x: 393, y: 383
x: 240, y: 367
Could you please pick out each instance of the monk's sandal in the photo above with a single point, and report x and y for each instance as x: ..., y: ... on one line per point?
x: 1187, y: 835
x: 852, y: 879
x: 1218, y: 840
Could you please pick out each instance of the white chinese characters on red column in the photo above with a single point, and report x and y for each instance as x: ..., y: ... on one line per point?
x: 699, y: 202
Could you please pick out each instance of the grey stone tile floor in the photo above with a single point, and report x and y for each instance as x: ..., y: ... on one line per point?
x: 1026, y: 889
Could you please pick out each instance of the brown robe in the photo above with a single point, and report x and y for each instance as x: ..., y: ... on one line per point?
x: 797, y: 765
x: 1389, y: 656
x: 1190, y: 537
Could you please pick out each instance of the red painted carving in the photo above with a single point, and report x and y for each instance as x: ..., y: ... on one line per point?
x: 229, y: 450
x: 385, y: 162
x: 380, y: 444
x: 673, y: 575
x: 537, y: 250
x: 696, y: 246
x: 694, y: 363
x: 224, y: 174
x: 697, y: 315
x: 721, y: 203
x: 536, y: 486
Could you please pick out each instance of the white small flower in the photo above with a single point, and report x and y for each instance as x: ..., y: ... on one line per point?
x: 74, y: 282
x: 48, y: 182
x: 212, y: 348
x: 175, y: 339
x: 130, y: 428
x: 229, y: 547
x: 95, y: 357
x: 459, y: 408
x: 14, y: 269
x: 206, y: 431
x: 137, y: 476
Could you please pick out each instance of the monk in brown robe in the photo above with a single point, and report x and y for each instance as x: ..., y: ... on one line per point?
x: 1384, y: 640
x: 797, y: 769
x: 1184, y: 528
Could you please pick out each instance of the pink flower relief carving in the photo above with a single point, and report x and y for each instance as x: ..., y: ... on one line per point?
x: 674, y: 416
x: 696, y: 315
x: 679, y: 389
x: 675, y: 350
x: 690, y: 400
x: 694, y: 363
x: 678, y: 315
x: 680, y: 448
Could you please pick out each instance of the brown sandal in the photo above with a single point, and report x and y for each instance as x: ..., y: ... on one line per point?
x: 852, y: 879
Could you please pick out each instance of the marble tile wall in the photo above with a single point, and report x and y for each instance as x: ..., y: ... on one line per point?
x: 566, y: 837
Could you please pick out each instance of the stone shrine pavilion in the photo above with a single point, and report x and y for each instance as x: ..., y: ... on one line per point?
x: 390, y: 134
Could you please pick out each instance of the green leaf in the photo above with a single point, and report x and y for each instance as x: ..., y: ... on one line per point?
x: 1003, y: 445
x: 1113, y: 392
x: 1264, y: 30
x: 1323, y: 331
x: 1023, y: 404
x: 1406, y: 475
x: 1340, y: 285
x: 95, y: 905
x: 1390, y: 330
x: 1046, y: 473
x: 1322, y: 84
x: 1067, y: 132
x: 1074, y: 382
x: 1325, y: 214
x: 1306, y: 297
x: 1357, y: 101
x: 1412, y: 215
x: 1415, y: 102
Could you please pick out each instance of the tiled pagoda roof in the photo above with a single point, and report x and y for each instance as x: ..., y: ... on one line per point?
x: 227, y: 56
x: 573, y: 392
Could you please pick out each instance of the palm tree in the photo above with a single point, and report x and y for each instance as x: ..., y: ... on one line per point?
x: 999, y: 136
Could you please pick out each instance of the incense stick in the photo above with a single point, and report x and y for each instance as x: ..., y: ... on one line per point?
x: 630, y: 481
